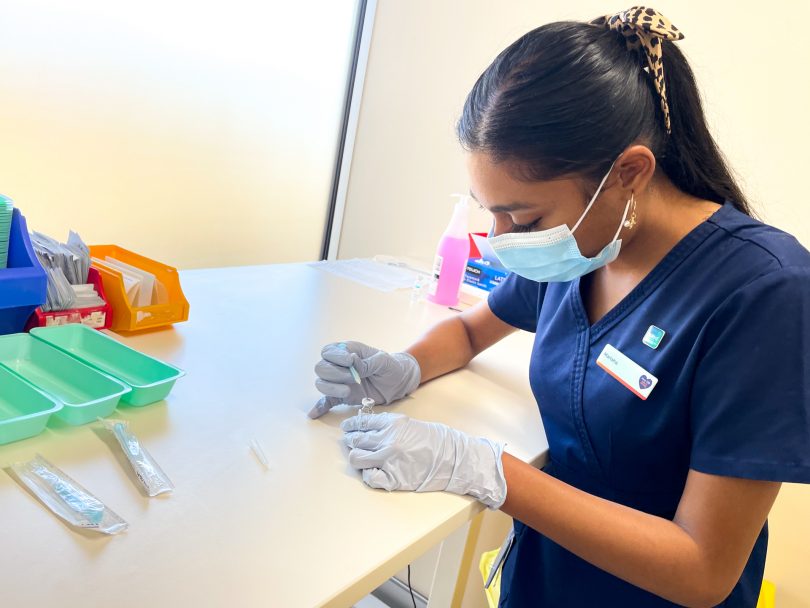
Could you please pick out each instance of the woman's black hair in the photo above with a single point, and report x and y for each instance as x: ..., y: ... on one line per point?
x: 568, y: 97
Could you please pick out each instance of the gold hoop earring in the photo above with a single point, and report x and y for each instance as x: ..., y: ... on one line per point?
x: 632, y: 220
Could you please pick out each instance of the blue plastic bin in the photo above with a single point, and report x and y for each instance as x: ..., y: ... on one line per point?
x: 24, y: 284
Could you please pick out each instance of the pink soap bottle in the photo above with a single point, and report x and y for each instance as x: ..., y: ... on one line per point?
x: 451, y: 257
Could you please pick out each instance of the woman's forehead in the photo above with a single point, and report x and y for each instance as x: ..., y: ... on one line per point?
x: 495, y: 186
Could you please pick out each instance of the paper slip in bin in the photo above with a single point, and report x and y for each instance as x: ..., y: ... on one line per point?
x: 150, y: 379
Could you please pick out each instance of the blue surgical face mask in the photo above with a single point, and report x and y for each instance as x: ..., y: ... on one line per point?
x: 553, y: 255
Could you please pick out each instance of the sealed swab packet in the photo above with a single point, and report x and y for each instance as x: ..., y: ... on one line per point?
x: 149, y: 473
x: 66, y: 498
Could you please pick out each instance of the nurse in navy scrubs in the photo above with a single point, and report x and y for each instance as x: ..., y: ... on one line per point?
x: 671, y: 362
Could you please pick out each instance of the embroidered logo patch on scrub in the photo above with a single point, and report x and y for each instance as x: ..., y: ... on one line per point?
x: 653, y: 336
x: 629, y: 373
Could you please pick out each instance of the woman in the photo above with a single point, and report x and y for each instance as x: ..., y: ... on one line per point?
x: 670, y: 361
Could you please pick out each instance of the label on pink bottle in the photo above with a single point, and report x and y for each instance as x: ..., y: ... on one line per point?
x: 437, y: 271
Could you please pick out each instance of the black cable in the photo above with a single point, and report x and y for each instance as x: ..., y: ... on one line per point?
x: 413, y: 599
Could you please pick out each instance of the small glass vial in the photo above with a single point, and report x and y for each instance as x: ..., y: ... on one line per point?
x: 367, y: 406
x: 366, y: 410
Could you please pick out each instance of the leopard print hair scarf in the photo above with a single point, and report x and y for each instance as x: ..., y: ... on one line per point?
x: 643, y: 29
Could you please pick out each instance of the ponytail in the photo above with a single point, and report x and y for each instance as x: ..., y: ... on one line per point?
x: 691, y: 157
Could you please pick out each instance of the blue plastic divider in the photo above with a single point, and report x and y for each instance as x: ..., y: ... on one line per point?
x: 24, y: 284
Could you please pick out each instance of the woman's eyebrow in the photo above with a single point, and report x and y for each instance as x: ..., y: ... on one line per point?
x: 516, y: 206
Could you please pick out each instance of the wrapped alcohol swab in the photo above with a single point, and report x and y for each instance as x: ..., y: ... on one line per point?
x: 66, y: 498
x: 149, y: 473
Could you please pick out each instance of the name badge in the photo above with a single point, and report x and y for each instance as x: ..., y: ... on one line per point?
x: 627, y: 372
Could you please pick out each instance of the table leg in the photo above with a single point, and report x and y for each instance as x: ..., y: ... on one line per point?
x: 453, y: 566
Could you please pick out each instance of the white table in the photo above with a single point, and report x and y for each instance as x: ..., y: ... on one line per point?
x: 307, y: 532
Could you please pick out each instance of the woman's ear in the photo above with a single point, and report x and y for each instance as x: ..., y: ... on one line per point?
x: 635, y: 168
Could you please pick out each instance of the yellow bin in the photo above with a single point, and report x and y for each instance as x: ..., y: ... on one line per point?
x: 485, y: 565
x: 129, y: 318
x: 767, y: 595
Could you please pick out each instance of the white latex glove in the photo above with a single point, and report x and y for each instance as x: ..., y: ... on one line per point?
x: 384, y: 377
x: 396, y: 452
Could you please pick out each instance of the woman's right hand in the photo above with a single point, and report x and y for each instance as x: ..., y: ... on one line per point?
x: 384, y: 377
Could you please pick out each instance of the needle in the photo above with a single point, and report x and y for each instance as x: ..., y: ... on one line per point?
x: 355, y: 375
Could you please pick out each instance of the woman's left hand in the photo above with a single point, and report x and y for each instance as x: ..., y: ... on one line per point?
x: 395, y: 452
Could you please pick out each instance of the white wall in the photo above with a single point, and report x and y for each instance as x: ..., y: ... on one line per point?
x: 425, y: 56
x: 198, y: 133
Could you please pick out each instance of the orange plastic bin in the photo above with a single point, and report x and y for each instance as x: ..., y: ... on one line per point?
x: 129, y: 318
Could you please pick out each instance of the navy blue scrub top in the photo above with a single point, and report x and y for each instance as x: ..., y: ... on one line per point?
x: 733, y: 393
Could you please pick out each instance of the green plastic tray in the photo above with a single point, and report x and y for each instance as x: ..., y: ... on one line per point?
x: 151, y: 380
x: 24, y: 411
x: 85, y: 393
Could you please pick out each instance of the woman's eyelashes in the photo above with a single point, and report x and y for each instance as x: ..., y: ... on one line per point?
x: 515, y: 227
x: 526, y: 227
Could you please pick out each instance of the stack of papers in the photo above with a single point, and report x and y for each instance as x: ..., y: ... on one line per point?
x: 66, y: 265
x: 86, y: 296
x: 6, y: 210
x: 60, y: 292
x: 142, y: 287
x: 72, y: 258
